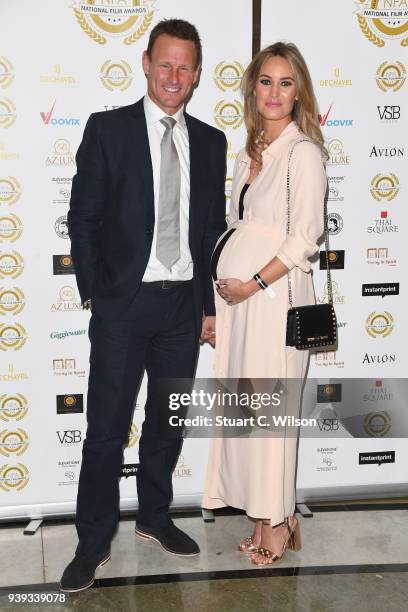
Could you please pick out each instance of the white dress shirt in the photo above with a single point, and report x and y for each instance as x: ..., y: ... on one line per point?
x: 183, y: 268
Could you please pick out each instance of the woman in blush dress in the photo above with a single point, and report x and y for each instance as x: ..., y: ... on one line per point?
x: 257, y: 474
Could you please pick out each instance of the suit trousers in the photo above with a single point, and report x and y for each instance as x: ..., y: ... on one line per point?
x: 157, y: 334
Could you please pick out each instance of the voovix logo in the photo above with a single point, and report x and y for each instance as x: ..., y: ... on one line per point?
x: 48, y: 119
x: 326, y: 122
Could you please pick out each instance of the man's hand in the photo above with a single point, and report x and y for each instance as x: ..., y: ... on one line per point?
x: 208, y: 331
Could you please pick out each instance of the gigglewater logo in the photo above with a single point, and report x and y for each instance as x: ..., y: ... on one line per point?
x: 13, y: 407
x: 390, y: 76
x: 6, y: 72
x: 48, y: 119
x: 326, y: 122
x: 337, y: 155
x: 12, y: 336
x: 229, y: 114
x: 14, y: 477
x: 384, y: 187
x: 12, y: 300
x: 127, y: 19
x: 11, y: 264
x: 7, y: 113
x: 116, y: 75
x: 13, y: 442
x: 10, y: 190
x: 11, y: 228
x: 61, y: 154
x: 379, y: 324
x: 382, y: 20
x: 228, y: 76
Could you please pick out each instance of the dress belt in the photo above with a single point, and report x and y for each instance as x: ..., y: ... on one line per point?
x: 166, y: 284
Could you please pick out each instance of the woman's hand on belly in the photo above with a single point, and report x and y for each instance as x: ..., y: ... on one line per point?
x: 234, y: 291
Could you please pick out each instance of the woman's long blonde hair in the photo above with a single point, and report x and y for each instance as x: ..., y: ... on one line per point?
x: 305, y: 110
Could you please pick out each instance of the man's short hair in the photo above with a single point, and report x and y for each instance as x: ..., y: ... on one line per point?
x: 178, y: 28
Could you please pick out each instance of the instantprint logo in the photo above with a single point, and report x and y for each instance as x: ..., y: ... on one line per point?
x: 229, y: 114
x: 116, y: 75
x: 48, y: 119
x: 13, y: 442
x: 7, y: 113
x: 61, y: 227
x: 389, y: 113
x: 10, y: 190
x: 337, y: 156
x: 12, y: 336
x: 11, y: 228
x: 70, y: 404
x: 7, y: 155
x: 380, y: 257
x: 328, y: 393
x: 382, y: 20
x: 337, y: 298
x: 387, y: 152
x: 127, y: 19
x: 326, y: 122
x: 334, y: 224
x: 61, y: 154
x: 66, y: 367
x: 13, y: 407
x: 182, y: 470
x: 383, y: 358
x: 67, y: 301
x: 12, y: 300
x: 381, y: 289
x: 379, y: 324
x: 382, y: 225
x: 377, y: 458
x: 133, y: 436
x: 14, y: 477
x: 57, y: 77
x: 336, y: 260
x: 6, y: 72
x: 11, y: 264
x: 128, y: 469
x: 328, y: 359
x: 62, y: 264
x: 228, y: 77
x: 390, y: 76
x: 336, y: 80
x: 377, y: 424
x: 327, y: 456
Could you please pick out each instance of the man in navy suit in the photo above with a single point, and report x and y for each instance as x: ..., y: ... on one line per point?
x: 147, y: 208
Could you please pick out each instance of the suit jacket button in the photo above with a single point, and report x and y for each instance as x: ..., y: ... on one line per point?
x: 149, y: 231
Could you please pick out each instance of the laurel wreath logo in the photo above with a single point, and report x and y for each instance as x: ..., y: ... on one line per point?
x: 368, y: 33
x: 142, y: 29
x: 87, y: 29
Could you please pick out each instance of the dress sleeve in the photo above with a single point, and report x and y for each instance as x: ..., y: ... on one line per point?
x: 233, y: 212
x: 308, y: 184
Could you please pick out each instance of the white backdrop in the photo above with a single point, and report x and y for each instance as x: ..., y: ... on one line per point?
x: 358, y: 69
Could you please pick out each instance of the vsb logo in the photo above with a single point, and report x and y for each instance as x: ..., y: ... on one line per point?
x: 69, y: 437
x: 389, y: 113
x: 10, y: 190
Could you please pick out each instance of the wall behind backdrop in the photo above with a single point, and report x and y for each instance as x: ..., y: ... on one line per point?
x: 61, y: 60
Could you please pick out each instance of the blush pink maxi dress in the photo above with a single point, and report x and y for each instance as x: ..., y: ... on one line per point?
x: 258, y: 474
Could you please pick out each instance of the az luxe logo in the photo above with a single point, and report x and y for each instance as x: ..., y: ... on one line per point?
x: 48, y: 119
x: 326, y: 122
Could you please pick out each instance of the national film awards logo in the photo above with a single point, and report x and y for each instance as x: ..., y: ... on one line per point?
x: 377, y: 424
x: 10, y: 190
x: 384, y: 187
x: 126, y: 19
x: 11, y: 228
x: 391, y: 76
x: 228, y: 77
x: 13, y: 442
x: 14, y: 477
x: 6, y: 72
x: 382, y: 20
x: 13, y: 336
x: 379, y: 324
x: 11, y: 264
x: 7, y: 113
x: 229, y: 114
x: 13, y: 407
x: 12, y: 300
x: 116, y: 75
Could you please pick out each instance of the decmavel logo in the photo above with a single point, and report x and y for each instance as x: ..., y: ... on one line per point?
x: 384, y: 187
x: 229, y: 114
x: 48, y: 119
x: 228, y: 76
x: 11, y: 228
x: 12, y: 300
x: 7, y: 113
x: 126, y: 19
x: 390, y: 76
x: 13, y: 407
x: 10, y: 190
x: 379, y: 324
x: 116, y: 75
x: 13, y: 442
x: 11, y: 264
x: 14, y: 477
x: 6, y: 72
x: 69, y: 437
x: 382, y: 20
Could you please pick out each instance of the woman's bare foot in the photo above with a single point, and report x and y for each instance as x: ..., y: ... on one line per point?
x: 250, y: 544
x: 273, y: 539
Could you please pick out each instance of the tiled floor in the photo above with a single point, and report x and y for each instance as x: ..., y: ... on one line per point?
x: 329, y: 540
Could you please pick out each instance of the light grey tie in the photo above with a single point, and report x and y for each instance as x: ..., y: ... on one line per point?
x: 168, y: 218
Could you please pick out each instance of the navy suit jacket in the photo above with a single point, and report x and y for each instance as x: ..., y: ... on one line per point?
x: 111, y: 217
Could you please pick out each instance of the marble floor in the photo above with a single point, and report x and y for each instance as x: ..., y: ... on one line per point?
x: 350, y: 560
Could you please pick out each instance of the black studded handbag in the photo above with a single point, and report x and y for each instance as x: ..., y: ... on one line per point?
x: 313, y: 326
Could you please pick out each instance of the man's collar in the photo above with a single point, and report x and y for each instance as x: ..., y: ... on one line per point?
x: 154, y: 113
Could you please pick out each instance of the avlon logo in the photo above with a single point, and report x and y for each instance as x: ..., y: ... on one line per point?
x: 48, y: 119
x: 326, y: 122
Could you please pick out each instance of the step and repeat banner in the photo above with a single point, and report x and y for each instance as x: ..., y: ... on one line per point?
x: 357, y: 53
x: 61, y: 60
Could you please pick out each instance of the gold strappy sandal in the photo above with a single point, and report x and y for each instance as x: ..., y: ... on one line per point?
x: 247, y: 545
x: 292, y: 542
